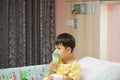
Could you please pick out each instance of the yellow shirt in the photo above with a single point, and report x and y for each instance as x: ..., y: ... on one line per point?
x: 72, y: 70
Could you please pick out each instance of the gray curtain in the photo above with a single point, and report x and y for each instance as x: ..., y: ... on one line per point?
x: 27, y: 32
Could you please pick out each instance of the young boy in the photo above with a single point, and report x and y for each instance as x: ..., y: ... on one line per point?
x: 68, y: 68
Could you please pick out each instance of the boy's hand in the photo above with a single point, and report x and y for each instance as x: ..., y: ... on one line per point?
x: 50, y: 77
x: 52, y: 67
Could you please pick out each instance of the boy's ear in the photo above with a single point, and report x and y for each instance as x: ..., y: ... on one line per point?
x: 69, y: 50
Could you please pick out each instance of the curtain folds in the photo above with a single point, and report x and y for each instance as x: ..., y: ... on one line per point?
x: 27, y: 32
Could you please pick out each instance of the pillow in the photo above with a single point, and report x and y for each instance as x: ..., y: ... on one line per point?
x: 111, y: 73
x: 95, y: 69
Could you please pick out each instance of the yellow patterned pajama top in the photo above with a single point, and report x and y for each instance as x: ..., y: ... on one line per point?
x: 72, y: 70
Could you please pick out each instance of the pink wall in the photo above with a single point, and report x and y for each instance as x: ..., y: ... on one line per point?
x: 113, y: 50
x: 60, y: 10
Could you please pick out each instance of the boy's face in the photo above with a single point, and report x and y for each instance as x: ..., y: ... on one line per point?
x: 62, y: 51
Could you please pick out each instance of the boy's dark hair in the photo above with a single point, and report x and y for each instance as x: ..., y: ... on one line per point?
x: 66, y: 39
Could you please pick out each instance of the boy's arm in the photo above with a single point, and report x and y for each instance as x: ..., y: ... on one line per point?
x: 67, y: 78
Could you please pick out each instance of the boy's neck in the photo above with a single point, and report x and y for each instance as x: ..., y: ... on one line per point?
x: 70, y: 58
